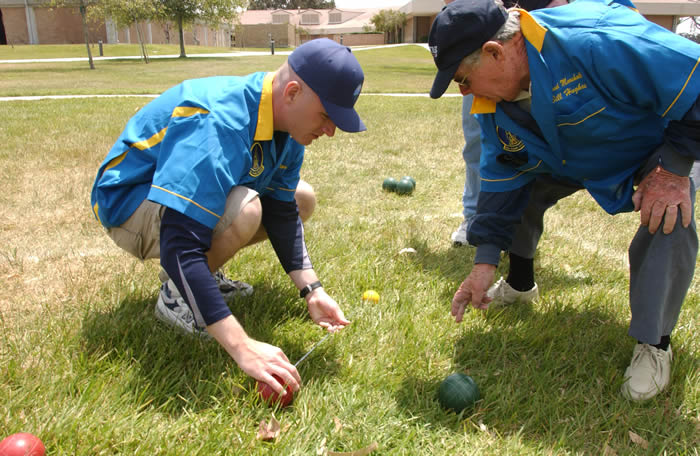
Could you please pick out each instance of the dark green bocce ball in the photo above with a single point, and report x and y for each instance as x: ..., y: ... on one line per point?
x: 458, y: 392
x: 389, y: 184
x: 413, y: 181
x: 404, y: 187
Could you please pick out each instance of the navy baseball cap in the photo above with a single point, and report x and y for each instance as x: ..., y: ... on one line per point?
x: 335, y: 75
x: 459, y: 29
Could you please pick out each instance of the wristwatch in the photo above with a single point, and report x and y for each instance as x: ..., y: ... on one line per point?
x: 309, y: 288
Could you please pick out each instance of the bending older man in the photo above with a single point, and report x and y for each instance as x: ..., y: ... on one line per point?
x: 581, y: 97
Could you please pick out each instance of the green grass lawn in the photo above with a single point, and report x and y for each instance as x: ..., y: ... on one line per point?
x: 408, y: 69
x: 87, y: 367
x: 53, y: 51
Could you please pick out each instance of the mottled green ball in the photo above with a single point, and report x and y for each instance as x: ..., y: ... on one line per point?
x: 404, y: 187
x: 389, y: 184
x: 409, y: 178
x: 458, y: 392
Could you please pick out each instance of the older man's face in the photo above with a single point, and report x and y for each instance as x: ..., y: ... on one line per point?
x: 493, y: 78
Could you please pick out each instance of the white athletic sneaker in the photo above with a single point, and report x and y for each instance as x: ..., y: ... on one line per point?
x: 648, y: 373
x: 231, y: 288
x: 172, y: 310
x: 503, y: 294
x: 459, y: 237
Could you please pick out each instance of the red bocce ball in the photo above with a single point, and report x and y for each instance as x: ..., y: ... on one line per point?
x: 271, y: 397
x: 22, y: 444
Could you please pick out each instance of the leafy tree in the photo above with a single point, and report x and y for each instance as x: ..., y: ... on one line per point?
x: 124, y: 13
x: 389, y: 22
x: 185, y: 12
x: 83, y: 7
x: 690, y: 25
x: 290, y: 4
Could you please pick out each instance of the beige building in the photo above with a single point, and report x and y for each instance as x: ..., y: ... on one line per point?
x: 290, y: 28
x: 33, y: 22
x: 666, y: 13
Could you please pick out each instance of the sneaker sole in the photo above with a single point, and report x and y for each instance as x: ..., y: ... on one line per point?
x: 504, y: 303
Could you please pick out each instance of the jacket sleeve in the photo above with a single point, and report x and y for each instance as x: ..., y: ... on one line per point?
x: 681, y: 146
x: 286, y: 233
x: 183, y: 246
x: 493, y: 226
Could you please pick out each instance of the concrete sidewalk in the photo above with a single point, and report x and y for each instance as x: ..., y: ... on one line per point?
x: 69, y: 97
x: 177, y: 56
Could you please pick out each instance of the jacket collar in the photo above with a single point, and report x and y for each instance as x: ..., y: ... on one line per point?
x: 265, y: 127
x: 534, y: 33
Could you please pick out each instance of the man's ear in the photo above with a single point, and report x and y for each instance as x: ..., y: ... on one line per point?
x: 292, y: 91
x: 493, y: 49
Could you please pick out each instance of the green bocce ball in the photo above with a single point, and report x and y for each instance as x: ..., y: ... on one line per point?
x: 458, y: 392
x: 413, y: 181
x: 389, y: 184
x: 404, y: 187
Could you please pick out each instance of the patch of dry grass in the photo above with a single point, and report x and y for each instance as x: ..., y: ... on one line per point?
x: 47, y: 233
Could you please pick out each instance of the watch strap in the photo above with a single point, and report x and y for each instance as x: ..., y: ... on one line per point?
x: 309, y: 288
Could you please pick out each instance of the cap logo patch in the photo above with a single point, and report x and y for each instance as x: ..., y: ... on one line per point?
x: 356, y: 93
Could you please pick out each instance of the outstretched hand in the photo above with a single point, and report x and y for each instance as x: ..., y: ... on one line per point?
x: 325, y: 311
x: 660, y: 196
x: 473, y: 290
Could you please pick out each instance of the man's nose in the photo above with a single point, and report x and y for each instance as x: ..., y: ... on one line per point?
x: 329, y: 128
x: 464, y: 90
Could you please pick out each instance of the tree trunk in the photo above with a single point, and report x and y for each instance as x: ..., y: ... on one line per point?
x: 182, y: 37
x: 83, y: 16
x: 143, y: 47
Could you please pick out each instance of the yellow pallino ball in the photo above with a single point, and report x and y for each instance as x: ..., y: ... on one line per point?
x: 370, y: 295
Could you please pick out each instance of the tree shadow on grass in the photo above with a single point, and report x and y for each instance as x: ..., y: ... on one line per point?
x: 551, y: 379
x: 173, y: 372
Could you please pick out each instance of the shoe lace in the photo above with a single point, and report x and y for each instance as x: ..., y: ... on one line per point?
x: 224, y: 282
x: 648, y: 354
x: 183, y: 312
x: 227, y: 285
x: 179, y: 307
x: 220, y: 277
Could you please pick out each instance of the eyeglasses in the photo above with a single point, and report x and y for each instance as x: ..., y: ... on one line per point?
x: 464, y: 82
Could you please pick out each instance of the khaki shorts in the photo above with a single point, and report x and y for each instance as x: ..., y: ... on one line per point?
x: 140, y: 234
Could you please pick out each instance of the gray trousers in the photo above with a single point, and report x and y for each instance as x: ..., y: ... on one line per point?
x: 661, y: 265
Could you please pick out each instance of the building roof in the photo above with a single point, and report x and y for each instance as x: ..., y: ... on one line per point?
x: 356, y: 20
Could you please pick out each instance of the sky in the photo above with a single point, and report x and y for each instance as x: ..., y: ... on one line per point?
x: 358, y: 4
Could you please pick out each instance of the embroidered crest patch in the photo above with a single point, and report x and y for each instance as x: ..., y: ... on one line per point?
x: 511, y: 143
x: 257, y: 168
